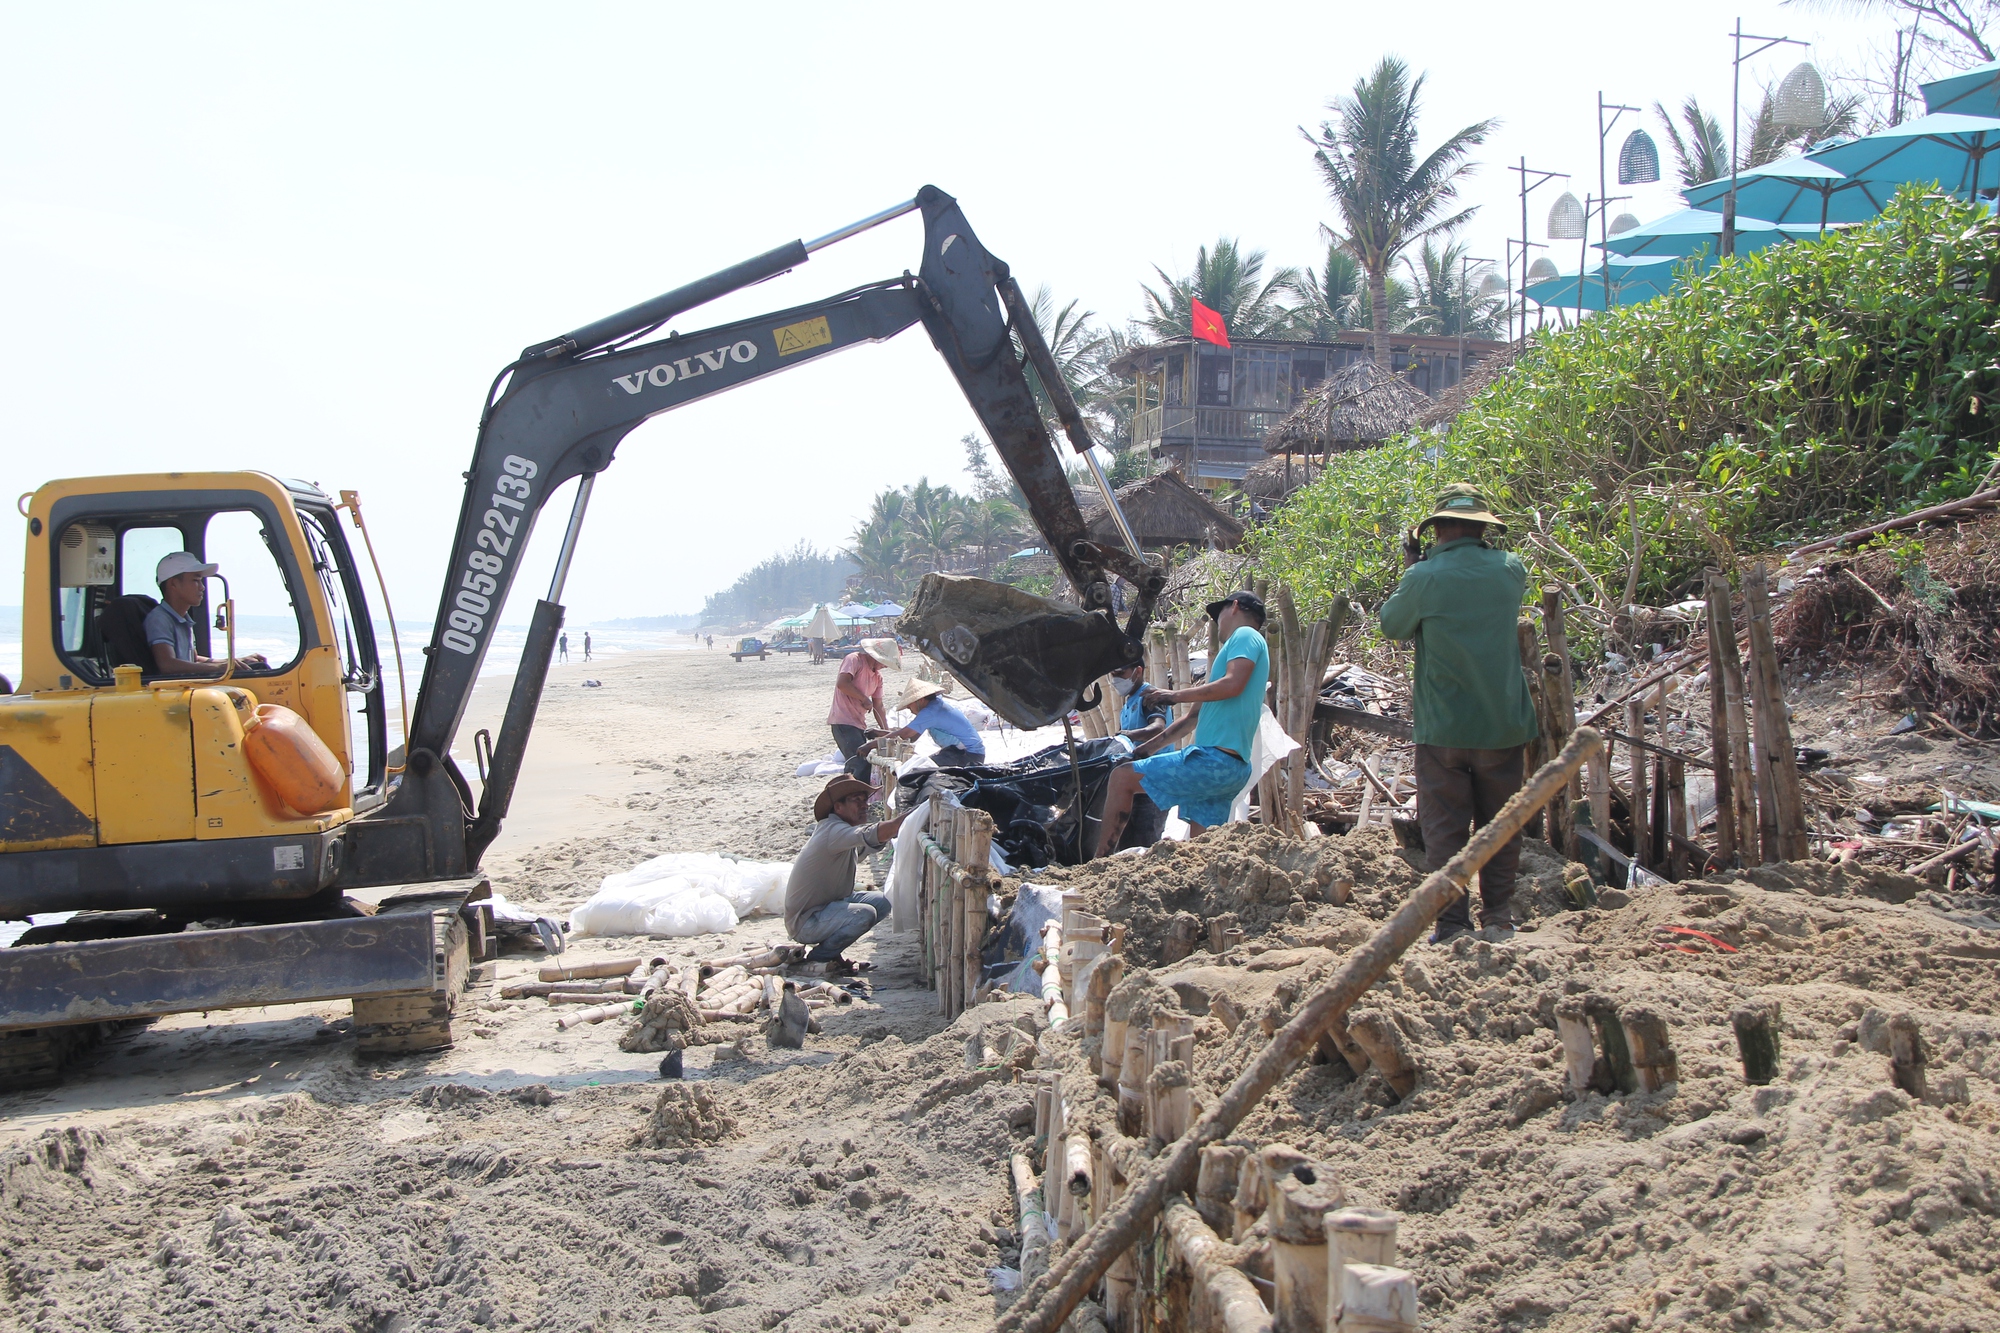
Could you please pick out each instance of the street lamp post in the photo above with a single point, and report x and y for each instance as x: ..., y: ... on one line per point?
x: 1541, y: 178
x: 1464, y: 263
x: 1735, y: 121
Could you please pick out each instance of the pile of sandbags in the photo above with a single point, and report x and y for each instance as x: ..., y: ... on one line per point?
x: 683, y: 893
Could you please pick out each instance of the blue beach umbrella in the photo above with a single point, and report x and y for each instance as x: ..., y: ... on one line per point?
x: 1694, y: 230
x: 1975, y: 92
x: 1943, y: 147
x: 1796, y: 189
x: 1632, y: 280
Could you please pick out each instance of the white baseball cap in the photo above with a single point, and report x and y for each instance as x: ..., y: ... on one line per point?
x: 181, y: 562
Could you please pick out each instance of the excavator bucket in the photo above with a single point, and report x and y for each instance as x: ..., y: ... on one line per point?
x: 1030, y: 659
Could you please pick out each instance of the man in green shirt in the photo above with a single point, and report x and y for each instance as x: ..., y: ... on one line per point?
x: 1460, y: 601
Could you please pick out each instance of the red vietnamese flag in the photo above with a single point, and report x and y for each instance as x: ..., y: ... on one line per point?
x: 1208, y: 326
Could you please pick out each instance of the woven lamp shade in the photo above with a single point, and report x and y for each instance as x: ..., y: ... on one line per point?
x: 1543, y: 269
x: 1638, y: 160
x: 1800, y: 102
x: 1566, y: 218
x: 1623, y: 223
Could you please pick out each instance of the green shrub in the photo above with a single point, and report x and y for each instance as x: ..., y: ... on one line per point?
x: 1774, y: 397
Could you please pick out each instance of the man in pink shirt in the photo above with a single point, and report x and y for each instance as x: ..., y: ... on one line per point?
x: 858, y: 691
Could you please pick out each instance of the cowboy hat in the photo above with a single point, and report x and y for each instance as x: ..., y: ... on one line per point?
x: 837, y: 788
x: 886, y: 652
x: 1464, y: 504
x: 916, y: 692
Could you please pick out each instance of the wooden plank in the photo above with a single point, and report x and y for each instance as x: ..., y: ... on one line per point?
x: 1395, y: 728
x: 1639, y: 809
x: 1733, y: 738
x: 1558, y: 688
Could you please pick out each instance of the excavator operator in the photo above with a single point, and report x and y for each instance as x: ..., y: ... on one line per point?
x: 182, y: 577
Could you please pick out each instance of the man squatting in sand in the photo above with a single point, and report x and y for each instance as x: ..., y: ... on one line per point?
x: 1474, y: 716
x: 857, y: 692
x: 1204, y: 778
x: 821, y: 907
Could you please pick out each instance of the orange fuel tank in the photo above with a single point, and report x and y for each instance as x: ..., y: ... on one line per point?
x: 289, y: 755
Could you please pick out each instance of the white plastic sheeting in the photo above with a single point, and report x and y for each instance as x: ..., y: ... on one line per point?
x: 904, y: 870
x: 1271, y: 744
x: 684, y: 893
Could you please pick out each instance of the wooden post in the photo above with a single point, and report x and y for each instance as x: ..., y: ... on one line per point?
x: 1640, y: 807
x: 1535, y: 753
x: 1598, y: 773
x: 1579, y: 1050
x: 1774, y: 726
x: 1299, y: 1200
x: 974, y: 855
x: 1559, y: 688
x: 1653, y: 1059
x: 1720, y: 626
x: 1215, y: 1187
x: 1356, y: 1236
x: 1756, y: 1025
x: 1746, y: 788
x: 1677, y: 817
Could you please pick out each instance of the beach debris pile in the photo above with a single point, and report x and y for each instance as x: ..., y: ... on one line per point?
x: 1761, y: 1098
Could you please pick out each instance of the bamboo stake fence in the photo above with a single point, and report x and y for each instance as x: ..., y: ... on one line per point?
x: 951, y: 904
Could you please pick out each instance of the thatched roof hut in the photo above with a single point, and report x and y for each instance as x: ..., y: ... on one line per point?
x: 1358, y: 405
x: 1444, y: 409
x: 1164, y: 511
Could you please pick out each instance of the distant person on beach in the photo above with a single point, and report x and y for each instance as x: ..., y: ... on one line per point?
x: 856, y: 693
x: 1474, y: 716
x: 711, y: 641
x: 1204, y: 778
x: 958, y: 742
x: 562, y: 646
x: 586, y: 645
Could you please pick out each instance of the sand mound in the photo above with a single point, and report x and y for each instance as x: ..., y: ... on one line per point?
x: 1272, y: 883
x: 688, y: 1114
x: 1829, y: 1198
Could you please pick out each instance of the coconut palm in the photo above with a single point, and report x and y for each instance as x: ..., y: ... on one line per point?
x: 1702, y: 153
x: 1230, y: 281
x: 990, y: 525
x: 1078, y: 347
x: 1769, y: 141
x: 1332, y: 298
x: 1389, y: 199
x: 1444, y: 300
x: 932, y: 525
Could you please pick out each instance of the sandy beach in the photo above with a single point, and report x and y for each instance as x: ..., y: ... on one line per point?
x: 185, y: 1128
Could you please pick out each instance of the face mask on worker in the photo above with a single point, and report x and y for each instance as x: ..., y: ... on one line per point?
x: 1122, y: 686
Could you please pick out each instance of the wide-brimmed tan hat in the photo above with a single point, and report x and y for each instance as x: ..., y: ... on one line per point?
x: 916, y: 692
x: 886, y: 652
x: 1464, y: 504
x: 836, y: 788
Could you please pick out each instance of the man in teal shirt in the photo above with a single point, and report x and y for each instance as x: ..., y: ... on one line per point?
x: 1474, y: 716
x: 1204, y: 779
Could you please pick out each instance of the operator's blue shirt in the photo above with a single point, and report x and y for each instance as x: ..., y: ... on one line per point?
x: 948, y: 726
x: 168, y: 626
x: 1231, y: 724
x: 1141, y: 707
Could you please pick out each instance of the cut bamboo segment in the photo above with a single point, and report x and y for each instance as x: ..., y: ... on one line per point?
x: 610, y: 967
x: 597, y: 1015
x: 1775, y: 755
x: 1033, y: 1227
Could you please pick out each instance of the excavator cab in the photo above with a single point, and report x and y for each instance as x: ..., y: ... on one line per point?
x: 129, y: 786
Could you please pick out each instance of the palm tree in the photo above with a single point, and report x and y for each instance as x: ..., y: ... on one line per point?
x: 1230, y: 281
x: 1078, y: 349
x: 989, y: 524
x: 1388, y: 198
x: 877, y: 545
x: 932, y: 526
x: 1770, y: 141
x: 1333, y: 298
x: 1703, y: 153
x: 1444, y: 301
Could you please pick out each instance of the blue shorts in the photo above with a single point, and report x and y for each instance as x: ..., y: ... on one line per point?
x: 1201, y: 780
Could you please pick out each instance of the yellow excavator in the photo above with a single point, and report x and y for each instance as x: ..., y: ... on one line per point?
x: 213, y: 835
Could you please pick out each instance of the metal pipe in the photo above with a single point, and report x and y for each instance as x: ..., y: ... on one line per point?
x: 856, y: 228
x: 570, y: 535
x: 1111, y: 504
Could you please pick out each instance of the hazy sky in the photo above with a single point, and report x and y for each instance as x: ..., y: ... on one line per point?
x: 303, y: 240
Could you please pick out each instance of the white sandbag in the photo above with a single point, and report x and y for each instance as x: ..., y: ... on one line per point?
x: 823, y: 767
x: 682, y: 893
x: 904, y: 871
x: 1267, y: 747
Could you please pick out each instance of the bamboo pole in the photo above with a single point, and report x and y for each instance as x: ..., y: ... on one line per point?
x: 1639, y: 809
x: 1774, y: 725
x: 1720, y: 627
x: 1536, y: 751
x: 1232, y: 1296
x: 1558, y: 689
x: 1043, y: 1308
x: 1743, y: 775
x: 1675, y: 784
